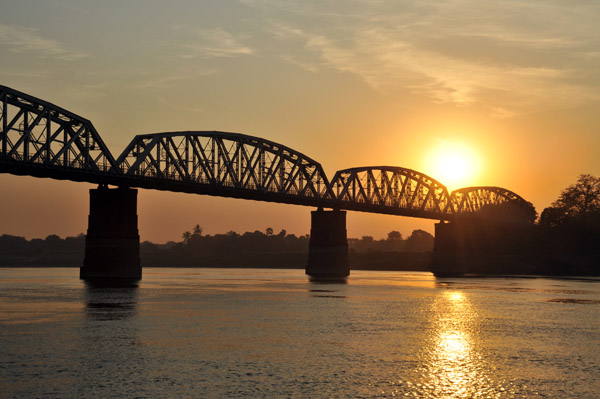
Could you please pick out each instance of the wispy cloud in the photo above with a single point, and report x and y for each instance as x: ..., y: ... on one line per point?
x: 509, y: 55
x: 308, y: 66
x: 169, y: 80
x: 26, y: 40
x: 178, y: 106
x: 394, y: 66
x: 216, y: 42
x: 25, y: 74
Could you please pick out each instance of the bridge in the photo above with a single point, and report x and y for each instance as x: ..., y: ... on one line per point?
x: 40, y: 139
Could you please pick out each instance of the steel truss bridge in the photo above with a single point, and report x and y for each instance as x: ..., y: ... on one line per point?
x: 40, y: 139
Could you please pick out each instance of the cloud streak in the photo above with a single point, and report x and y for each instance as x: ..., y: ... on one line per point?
x: 216, y: 43
x: 170, y: 80
x: 26, y: 40
x: 510, y: 56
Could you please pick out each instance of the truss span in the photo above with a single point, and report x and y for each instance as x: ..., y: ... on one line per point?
x: 225, y: 164
x: 391, y: 190
x: 494, y: 202
x: 38, y: 138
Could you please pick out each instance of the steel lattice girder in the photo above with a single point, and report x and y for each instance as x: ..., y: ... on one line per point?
x: 475, y: 199
x: 392, y: 190
x: 41, y: 139
x: 245, y: 166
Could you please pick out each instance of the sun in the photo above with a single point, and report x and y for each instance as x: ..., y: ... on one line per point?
x: 453, y: 164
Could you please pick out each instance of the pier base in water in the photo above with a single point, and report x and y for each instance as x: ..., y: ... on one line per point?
x: 112, y: 244
x: 449, y: 251
x: 328, y: 247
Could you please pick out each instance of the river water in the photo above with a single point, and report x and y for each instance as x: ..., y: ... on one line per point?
x: 229, y: 333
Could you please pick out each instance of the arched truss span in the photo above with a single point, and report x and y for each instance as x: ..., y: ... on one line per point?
x: 219, y: 163
x: 392, y: 190
x: 477, y: 199
x: 40, y: 139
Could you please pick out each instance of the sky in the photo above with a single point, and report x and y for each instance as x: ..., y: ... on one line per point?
x: 512, y: 86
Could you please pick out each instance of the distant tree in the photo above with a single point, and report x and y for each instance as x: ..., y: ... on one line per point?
x: 365, y: 244
x: 197, y: 230
x: 53, y: 239
x: 582, y: 197
x: 12, y: 243
x: 419, y: 241
x: 367, y: 240
x: 186, y: 236
x: 553, y: 217
x: 269, y: 231
x: 282, y: 233
x: 576, y: 202
x: 394, y: 236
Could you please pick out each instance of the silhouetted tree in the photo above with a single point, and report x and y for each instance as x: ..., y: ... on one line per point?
x: 197, y: 230
x: 578, y: 201
x: 394, y: 236
x: 186, y: 236
x: 12, y: 243
x: 419, y: 241
x: 53, y: 239
x: 570, y: 229
x: 552, y: 217
x: 582, y: 197
x: 269, y: 231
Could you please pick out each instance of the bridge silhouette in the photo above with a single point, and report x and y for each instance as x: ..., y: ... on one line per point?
x: 43, y: 140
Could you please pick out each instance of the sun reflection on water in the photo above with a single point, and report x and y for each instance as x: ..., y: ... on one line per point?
x: 453, y: 364
x: 452, y: 370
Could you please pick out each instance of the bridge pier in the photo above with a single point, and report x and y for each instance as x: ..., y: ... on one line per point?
x: 449, y: 251
x: 112, y: 244
x: 328, y: 246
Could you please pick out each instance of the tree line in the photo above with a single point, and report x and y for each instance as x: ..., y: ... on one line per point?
x: 270, y: 249
x: 249, y: 249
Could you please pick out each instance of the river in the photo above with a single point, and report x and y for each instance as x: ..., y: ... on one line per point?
x: 259, y: 333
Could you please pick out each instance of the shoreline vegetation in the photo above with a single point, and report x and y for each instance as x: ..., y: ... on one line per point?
x: 250, y: 249
x: 503, y: 239
x: 563, y: 241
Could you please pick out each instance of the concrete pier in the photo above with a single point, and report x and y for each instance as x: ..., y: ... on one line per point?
x: 112, y: 245
x: 449, y: 251
x: 328, y: 247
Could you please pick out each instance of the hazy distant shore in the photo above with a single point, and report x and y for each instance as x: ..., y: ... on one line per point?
x: 232, y: 250
x: 287, y: 251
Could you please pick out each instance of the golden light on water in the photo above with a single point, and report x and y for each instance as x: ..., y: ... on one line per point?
x: 453, y: 369
x: 455, y: 296
x: 453, y: 345
x: 455, y: 364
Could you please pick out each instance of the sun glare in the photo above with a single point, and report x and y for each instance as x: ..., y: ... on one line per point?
x: 454, y: 165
